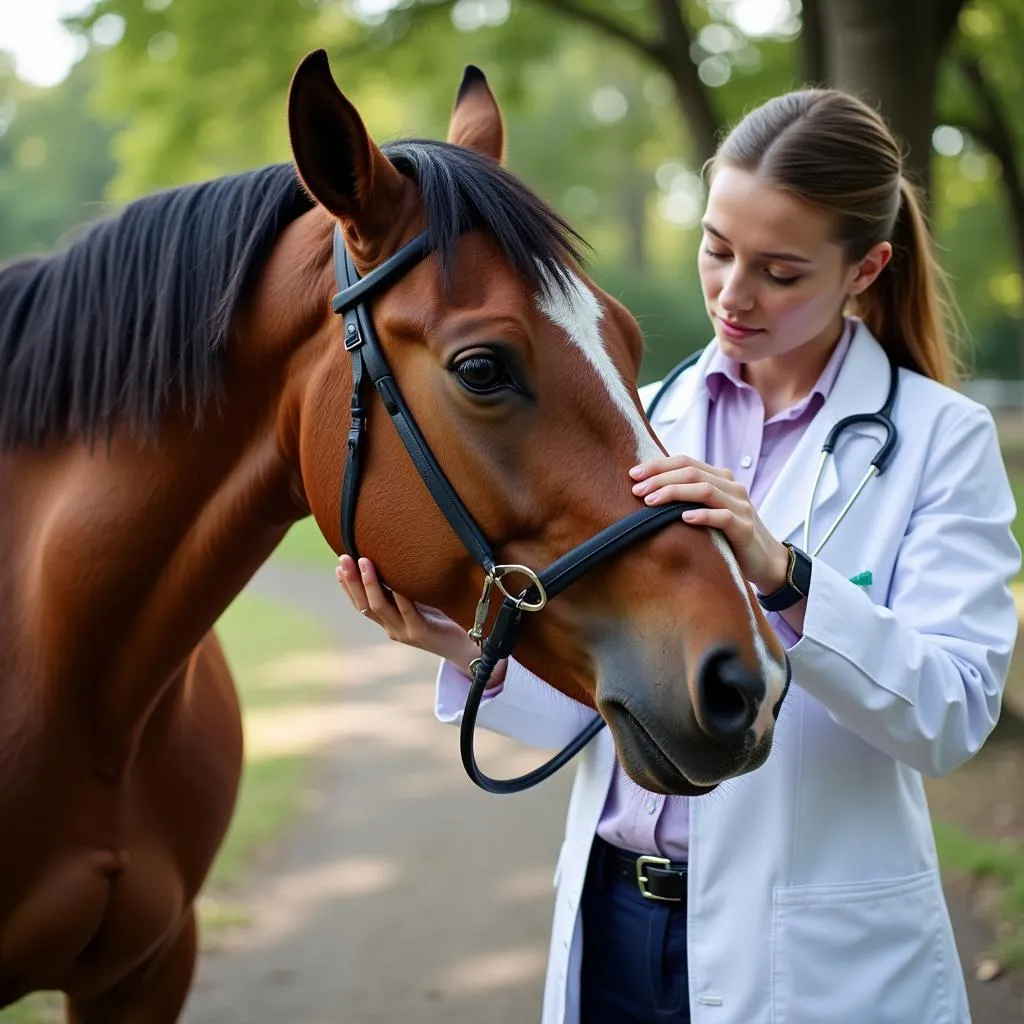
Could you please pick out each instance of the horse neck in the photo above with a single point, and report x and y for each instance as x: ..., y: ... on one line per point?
x: 124, y: 556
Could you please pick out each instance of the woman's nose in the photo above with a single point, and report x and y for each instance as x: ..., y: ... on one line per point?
x: 735, y: 296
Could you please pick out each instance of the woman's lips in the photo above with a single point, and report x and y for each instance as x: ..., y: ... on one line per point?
x: 736, y: 332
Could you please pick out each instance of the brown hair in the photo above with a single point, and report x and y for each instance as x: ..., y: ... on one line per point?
x: 835, y: 153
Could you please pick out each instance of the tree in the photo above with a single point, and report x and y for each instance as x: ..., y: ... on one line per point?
x: 208, y: 81
x: 984, y: 83
x: 43, y: 133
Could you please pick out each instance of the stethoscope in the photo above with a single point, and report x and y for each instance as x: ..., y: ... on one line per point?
x: 886, y: 449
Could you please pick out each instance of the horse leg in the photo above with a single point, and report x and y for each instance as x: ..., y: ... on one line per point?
x: 153, y: 994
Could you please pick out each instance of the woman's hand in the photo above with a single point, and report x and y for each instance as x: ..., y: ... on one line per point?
x: 762, y: 559
x: 402, y: 619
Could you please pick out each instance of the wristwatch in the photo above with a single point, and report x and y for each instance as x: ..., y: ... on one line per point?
x: 797, y: 585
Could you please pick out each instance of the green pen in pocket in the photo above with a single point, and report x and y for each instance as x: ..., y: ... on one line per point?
x: 862, y: 579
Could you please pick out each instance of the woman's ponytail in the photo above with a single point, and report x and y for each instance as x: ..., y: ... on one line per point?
x: 909, y: 308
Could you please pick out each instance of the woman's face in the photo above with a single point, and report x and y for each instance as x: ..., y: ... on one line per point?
x: 773, y: 279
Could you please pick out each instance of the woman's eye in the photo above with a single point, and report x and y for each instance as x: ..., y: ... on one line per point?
x: 715, y: 254
x: 778, y: 279
x: 482, y: 374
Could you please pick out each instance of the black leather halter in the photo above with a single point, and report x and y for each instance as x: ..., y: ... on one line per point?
x: 362, y: 343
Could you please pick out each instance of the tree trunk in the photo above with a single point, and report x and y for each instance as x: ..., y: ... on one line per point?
x: 887, y: 52
x: 634, y: 212
x: 995, y: 133
x: 700, y: 125
x: 812, y: 43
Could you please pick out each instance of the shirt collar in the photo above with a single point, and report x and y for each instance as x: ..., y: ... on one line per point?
x: 721, y: 371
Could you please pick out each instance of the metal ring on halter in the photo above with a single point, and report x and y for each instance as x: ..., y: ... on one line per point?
x: 520, y: 601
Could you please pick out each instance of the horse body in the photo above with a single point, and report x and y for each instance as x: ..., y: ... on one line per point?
x: 174, y: 394
x: 120, y: 732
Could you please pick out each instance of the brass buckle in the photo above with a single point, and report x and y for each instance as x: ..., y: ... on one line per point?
x: 500, y: 571
x: 641, y: 878
x: 494, y: 578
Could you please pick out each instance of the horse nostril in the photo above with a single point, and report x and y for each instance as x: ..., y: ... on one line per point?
x: 729, y: 695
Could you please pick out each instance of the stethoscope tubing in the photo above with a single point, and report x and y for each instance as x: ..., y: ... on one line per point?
x: 886, y: 450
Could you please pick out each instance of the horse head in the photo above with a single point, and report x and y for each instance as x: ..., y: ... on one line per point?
x: 520, y: 373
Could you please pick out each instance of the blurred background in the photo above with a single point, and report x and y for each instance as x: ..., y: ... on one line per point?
x: 612, y: 107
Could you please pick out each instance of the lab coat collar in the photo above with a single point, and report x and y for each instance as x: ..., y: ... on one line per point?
x: 681, y: 419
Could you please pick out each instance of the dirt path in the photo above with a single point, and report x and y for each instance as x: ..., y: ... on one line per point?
x: 403, y: 894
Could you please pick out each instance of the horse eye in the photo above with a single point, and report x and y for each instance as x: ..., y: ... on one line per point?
x: 482, y: 374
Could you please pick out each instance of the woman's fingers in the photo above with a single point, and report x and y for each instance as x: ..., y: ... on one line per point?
x: 348, y: 576
x: 416, y: 624
x: 703, y: 492
x: 674, y: 463
x: 717, y: 518
x: 381, y: 606
x: 690, y: 475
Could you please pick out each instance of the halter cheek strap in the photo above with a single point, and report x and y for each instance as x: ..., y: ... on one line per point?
x: 368, y: 362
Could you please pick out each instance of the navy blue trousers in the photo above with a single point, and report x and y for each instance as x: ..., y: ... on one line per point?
x: 634, y: 952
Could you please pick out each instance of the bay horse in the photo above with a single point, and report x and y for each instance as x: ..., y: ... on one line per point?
x: 174, y: 395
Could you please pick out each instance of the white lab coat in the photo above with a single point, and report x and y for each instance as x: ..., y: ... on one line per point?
x: 814, y: 893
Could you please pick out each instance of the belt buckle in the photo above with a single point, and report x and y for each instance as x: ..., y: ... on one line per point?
x: 641, y: 878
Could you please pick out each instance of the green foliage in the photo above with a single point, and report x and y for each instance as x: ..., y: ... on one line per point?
x: 54, y: 160
x: 1001, y: 863
x: 304, y: 544
x: 195, y: 89
x: 670, y: 312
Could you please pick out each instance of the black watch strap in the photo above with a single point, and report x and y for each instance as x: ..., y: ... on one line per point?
x: 797, y: 585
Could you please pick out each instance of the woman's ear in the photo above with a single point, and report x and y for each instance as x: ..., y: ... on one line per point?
x: 338, y: 162
x: 869, y: 267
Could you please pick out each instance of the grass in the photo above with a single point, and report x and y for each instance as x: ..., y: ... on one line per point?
x: 999, y: 863
x: 304, y: 544
x: 254, y: 632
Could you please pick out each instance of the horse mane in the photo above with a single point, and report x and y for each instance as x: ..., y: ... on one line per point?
x: 137, y: 312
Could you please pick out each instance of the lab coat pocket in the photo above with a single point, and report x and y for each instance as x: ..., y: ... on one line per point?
x: 862, y: 953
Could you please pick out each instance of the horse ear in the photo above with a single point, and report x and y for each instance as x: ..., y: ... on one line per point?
x: 476, y: 117
x: 337, y: 160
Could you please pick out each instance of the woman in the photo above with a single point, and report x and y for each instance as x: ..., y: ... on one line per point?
x: 807, y: 891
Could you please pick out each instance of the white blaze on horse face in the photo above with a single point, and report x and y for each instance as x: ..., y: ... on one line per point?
x: 579, y: 314
x: 774, y: 674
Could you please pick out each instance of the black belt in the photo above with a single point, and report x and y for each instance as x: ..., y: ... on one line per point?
x: 657, y: 878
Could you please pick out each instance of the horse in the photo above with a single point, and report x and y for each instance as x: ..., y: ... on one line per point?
x: 174, y: 396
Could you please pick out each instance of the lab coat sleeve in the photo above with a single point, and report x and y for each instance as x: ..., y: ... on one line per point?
x: 526, y: 708
x: 922, y: 679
